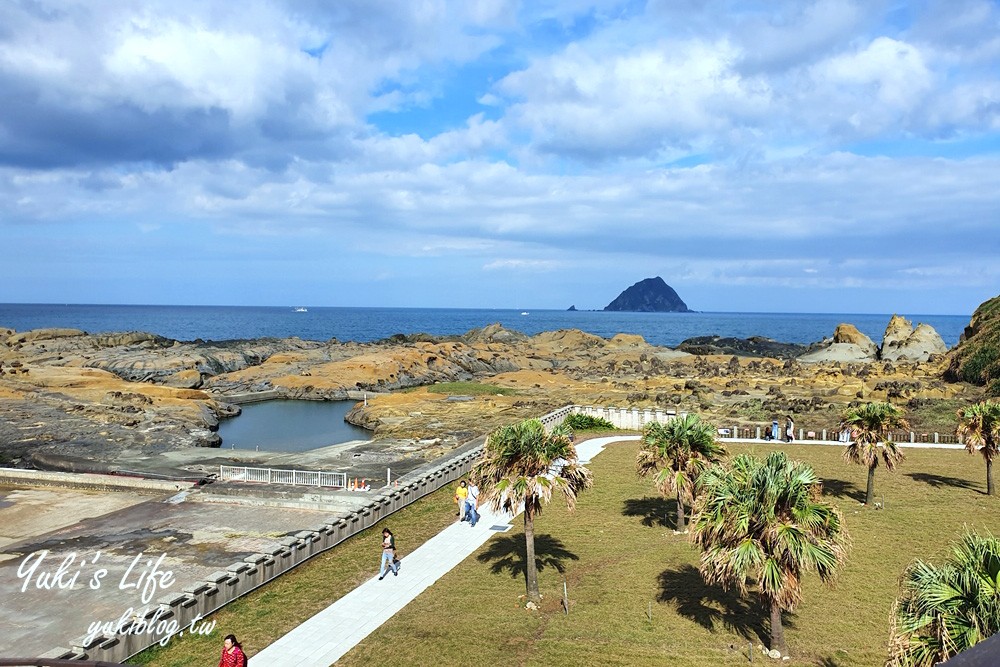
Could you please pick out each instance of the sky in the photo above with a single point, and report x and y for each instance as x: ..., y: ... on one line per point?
x: 762, y: 156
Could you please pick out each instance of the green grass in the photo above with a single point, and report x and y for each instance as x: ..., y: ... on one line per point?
x: 934, y: 414
x: 469, y: 389
x: 621, y: 559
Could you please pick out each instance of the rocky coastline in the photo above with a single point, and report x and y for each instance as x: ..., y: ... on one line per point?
x: 72, y: 396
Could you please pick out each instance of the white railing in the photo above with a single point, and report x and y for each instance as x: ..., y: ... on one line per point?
x: 336, y: 480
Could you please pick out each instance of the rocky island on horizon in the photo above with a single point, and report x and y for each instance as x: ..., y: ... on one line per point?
x: 651, y: 295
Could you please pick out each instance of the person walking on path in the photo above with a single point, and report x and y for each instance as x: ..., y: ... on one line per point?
x: 389, y: 561
x: 789, y: 429
x: 461, y: 493
x: 472, y: 504
x: 232, y: 653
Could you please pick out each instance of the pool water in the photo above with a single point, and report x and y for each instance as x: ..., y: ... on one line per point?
x: 290, y: 426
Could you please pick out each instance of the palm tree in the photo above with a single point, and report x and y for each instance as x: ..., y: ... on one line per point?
x: 943, y: 610
x: 979, y: 426
x: 521, y: 463
x: 678, y: 451
x: 763, y: 521
x: 871, y: 425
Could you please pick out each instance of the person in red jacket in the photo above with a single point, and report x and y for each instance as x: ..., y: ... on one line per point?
x: 232, y: 654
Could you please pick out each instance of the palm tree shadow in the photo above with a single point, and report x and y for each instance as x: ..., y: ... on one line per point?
x: 711, y: 606
x: 830, y: 661
x: 508, y: 554
x: 840, y: 488
x: 654, y: 511
x: 941, y: 481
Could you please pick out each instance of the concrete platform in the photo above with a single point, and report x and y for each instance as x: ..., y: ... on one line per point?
x: 195, y: 540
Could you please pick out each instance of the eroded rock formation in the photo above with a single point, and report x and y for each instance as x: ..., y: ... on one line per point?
x: 902, y: 342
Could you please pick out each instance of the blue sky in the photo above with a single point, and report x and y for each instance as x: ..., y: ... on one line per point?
x: 826, y: 156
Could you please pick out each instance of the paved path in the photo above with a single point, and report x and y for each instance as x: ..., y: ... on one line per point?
x: 324, y: 638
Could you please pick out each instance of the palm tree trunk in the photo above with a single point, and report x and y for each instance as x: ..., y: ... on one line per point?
x: 530, y: 567
x: 870, y: 494
x: 680, y: 513
x: 777, y: 629
x: 989, y: 477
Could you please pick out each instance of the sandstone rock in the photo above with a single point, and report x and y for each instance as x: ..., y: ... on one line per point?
x: 43, y: 334
x: 848, y: 333
x: 131, y: 338
x: 187, y: 379
x: 847, y: 344
x: 627, y: 340
x: 493, y: 333
x: 903, y: 342
x: 839, y: 352
x: 570, y: 339
x: 896, y: 333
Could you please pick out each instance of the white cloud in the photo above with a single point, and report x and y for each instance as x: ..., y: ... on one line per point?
x: 521, y: 265
x: 594, y: 104
x: 744, y: 145
x: 874, y: 88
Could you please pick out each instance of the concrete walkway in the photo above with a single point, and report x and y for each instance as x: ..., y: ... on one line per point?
x: 324, y: 638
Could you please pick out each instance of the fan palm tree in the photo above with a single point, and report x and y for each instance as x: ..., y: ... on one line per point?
x: 522, y: 463
x: 678, y: 451
x: 763, y: 522
x: 943, y: 610
x: 979, y: 426
x: 871, y: 425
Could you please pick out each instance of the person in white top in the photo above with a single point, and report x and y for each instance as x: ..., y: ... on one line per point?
x: 472, y: 504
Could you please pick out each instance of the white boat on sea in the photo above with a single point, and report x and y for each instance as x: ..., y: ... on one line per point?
x: 524, y: 312
x: 300, y: 310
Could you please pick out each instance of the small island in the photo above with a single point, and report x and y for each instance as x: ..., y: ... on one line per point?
x: 651, y: 295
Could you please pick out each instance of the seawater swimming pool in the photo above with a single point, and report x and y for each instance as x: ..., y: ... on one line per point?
x: 290, y: 426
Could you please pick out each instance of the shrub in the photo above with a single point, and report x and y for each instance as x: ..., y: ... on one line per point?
x: 579, y: 422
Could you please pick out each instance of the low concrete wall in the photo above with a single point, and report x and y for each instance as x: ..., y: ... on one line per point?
x: 632, y: 419
x: 84, y: 480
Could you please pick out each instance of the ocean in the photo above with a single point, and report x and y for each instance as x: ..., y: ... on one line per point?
x: 218, y: 323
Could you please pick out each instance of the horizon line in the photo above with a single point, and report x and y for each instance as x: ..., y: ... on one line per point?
x: 499, y: 308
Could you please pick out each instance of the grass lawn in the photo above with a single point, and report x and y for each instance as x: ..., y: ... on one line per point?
x: 621, y: 559
x: 622, y: 562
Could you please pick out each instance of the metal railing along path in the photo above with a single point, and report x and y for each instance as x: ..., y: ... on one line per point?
x: 319, y: 478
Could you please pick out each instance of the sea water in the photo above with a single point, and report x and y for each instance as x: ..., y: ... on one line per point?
x: 218, y: 323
